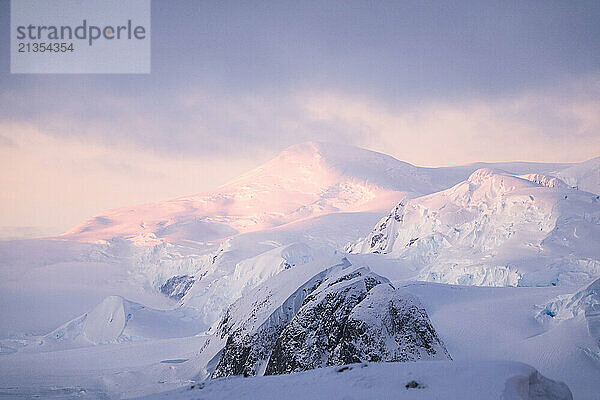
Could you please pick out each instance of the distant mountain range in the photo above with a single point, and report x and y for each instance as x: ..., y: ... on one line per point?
x: 304, y: 181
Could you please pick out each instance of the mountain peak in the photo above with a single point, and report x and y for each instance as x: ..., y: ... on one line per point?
x: 481, y: 175
x: 346, y: 158
x: 304, y: 180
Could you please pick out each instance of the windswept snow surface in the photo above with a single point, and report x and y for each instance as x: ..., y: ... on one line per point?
x: 109, y: 371
x: 415, y: 380
x: 499, y: 323
x: 574, y: 309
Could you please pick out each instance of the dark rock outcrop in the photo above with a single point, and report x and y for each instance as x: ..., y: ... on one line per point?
x: 343, y: 315
x: 177, y: 286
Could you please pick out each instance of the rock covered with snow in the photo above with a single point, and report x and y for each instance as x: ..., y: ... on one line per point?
x: 177, y: 286
x: 356, y: 323
x: 341, y: 315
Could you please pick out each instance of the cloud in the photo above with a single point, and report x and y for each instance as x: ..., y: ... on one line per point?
x: 561, y: 123
x: 70, y: 163
x: 5, y: 141
x: 60, y: 181
x: 557, y: 125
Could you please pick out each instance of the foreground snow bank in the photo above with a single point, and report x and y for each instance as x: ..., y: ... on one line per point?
x: 414, y: 380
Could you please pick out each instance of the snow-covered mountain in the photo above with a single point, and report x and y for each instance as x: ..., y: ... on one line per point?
x: 114, y: 320
x: 495, y: 228
x: 304, y: 180
x: 304, y: 205
x: 253, y: 278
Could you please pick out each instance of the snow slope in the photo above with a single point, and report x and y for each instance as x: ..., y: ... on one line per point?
x: 494, y: 229
x: 110, y: 371
x: 228, y: 271
x: 585, y: 175
x: 585, y: 304
x: 499, y: 323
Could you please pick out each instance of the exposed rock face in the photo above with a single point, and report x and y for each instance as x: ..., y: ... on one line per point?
x: 343, y: 315
x: 364, y: 319
x: 177, y: 286
x: 388, y: 313
x: 247, y: 353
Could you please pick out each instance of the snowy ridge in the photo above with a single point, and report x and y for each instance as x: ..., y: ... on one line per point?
x: 233, y: 273
x: 258, y: 305
x: 543, y: 180
x: 248, y: 348
x: 494, y: 229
